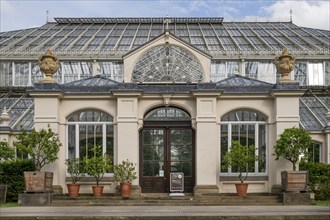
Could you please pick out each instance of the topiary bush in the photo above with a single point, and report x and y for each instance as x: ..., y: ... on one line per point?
x: 11, y: 174
x: 319, y: 179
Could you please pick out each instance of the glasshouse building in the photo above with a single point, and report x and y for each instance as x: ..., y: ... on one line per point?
x: 169, y: 94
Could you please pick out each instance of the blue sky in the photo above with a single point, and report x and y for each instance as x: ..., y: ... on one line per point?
x: 20, y: 14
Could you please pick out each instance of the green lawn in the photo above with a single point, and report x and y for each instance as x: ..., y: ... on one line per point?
x: 9, y: 204
x: 321, y: 202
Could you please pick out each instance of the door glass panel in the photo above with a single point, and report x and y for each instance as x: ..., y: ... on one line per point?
x: 153, y: 152
x: 181, y: 151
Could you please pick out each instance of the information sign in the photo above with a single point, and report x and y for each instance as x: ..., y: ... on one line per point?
x: 177, y: 182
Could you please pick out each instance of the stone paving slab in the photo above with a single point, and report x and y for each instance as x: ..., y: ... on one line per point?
x: 167, y: 212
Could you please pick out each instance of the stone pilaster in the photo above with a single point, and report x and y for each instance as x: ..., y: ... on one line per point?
x: 207, y: 145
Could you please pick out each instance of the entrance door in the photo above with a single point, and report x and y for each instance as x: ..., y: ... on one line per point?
x: 165, y: 149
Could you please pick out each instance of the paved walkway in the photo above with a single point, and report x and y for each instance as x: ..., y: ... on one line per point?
x: 153, y: 212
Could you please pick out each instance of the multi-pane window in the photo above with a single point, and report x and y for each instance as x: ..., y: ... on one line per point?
x: 249, y: 128
x: 314, y: 152
x: 261, y: 70
x: 221, y: 70
x: 87, y: 129
x: 315, y: 74
x: 167, y: 64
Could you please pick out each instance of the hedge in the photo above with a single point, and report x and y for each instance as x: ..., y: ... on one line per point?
x: 319, y: 179
x: 11, y: 174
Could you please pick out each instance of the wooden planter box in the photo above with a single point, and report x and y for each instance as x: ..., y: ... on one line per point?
x: 294, y: 181
x: 38, y: 181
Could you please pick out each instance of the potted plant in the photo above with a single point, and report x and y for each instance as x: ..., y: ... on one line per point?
x: 125, y: 173
x: 97, y: 165
x: 6, y: 153
x: 292, y: 145
x: 42, y: 147
x: 76, y: 171
x: 238, y: 158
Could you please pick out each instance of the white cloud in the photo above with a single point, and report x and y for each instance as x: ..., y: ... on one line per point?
x: 315, y: 14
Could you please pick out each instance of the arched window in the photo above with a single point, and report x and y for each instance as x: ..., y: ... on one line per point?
x: 87, y: 129
x: 248, y: 127
x: 167, y: 63
x: 167, y: 114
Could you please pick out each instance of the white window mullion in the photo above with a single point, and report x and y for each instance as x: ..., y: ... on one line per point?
x: 229, y: 143
x: 77, y: 141
x: 30, y: 75
x: 14, y: 74
x: 104, y: 138
x: 256, y: 147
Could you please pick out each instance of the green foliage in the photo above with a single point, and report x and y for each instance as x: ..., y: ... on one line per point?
x: 11, y: 174
x: 124, y: 172
x: 318, y: 179
x: 97, y: 164
x: 239, y: 157
x: 75, y: 169
x: 6, y: 152
x: 293, y: 143
x: 42, y: 146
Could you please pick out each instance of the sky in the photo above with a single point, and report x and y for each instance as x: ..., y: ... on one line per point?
x: 22, y: 14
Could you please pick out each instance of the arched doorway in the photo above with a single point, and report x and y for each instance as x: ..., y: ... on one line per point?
x: 166, y: 145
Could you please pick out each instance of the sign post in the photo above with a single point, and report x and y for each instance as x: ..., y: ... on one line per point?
x: 177, y: 184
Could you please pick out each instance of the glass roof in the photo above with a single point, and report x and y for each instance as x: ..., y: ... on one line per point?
x: 20, y: 108
x: 117, y: 36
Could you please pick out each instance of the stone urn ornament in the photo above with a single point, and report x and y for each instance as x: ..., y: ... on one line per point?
x: 49, y: 64
x: 284, y: 65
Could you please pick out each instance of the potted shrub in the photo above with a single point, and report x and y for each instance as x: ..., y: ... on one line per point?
x: 7, y: 153
x: 97, y: 165
x: 42, y: 147
x: 76, y: 170
x: 238, y: 158
x: 125, y: 173
x: 292, y: 145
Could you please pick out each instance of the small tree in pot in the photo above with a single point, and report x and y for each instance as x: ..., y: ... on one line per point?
x: 125, y: 173
x: 76, y: 171
x: 292, y: 145
x: 97, y: 165
x: 42, y: 147
x: 238, y: 158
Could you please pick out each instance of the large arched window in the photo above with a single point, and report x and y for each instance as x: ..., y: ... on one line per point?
x: 167, y: 63
x: 248, y: 127
x: 87, y: 129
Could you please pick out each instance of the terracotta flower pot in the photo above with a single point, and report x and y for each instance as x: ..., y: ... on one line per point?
x: 97, y: 191
x: 125, y: 189
x: 241, y: 189
x: 73, y: 190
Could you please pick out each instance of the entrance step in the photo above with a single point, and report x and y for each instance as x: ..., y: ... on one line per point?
x: 165, y: 200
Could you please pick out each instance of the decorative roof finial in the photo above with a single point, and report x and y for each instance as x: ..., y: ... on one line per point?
x: 47, y: 16
x: 4, y: 118
x: 284, y: 65
x: 167, y: 21
x: 291, y: 15
x: 49, y: 64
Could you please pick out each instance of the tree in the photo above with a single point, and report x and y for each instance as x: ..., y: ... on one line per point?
x: 6, y: 152
x: 42, y: 146
x: 97, y: 164
x: 239, y: 157
x: 292, y: 144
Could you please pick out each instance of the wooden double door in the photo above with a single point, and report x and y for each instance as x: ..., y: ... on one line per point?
x: 166, y: 148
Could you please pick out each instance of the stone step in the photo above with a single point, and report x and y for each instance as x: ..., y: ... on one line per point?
x: 107, y: 200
